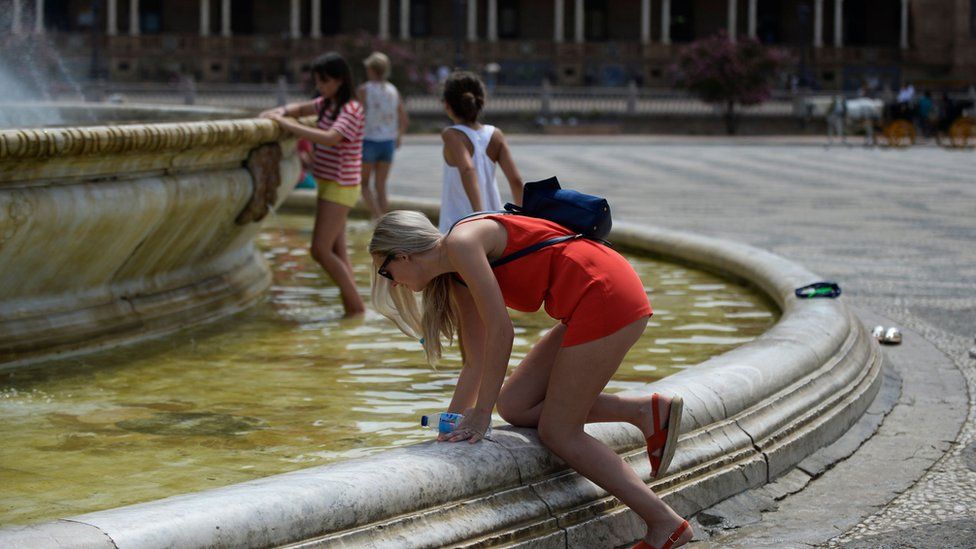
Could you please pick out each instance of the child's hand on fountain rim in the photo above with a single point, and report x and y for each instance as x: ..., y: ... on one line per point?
x: 279, y: 111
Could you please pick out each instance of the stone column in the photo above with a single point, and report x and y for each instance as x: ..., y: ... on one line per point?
x: 645, y: 22
x: 818, y: 23
x: 752, y: 17
x: 112, y: 22
x: 204, y: 17
x: 225, y: 19
x: 838, y: 23
x: 493, y: 20
x: 472, y: 20
x: 15, y: 17
x: 732, y: 21
x: 316, y: 23
x: 384, y: 20
x: 295, y: 20
x: 903, y: 41
x: 39, y: 16
x: 404, y: 19
x: 134, y: 18
x: 580, y: 37
x: 558, y: 22
x: 665, y: 21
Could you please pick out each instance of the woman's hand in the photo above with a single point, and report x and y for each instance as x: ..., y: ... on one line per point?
x: 472, y: 428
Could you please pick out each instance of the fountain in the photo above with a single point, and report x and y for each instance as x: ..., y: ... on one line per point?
x: 115, y: 233
x: 112, y: 234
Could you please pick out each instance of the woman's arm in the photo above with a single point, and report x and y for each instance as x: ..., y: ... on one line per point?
x: 507, y: 164
x: 467, y: 250
x: 472, y: 339
x: 459, y: 157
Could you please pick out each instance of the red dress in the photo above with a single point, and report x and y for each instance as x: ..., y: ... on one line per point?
x: 589, y: 287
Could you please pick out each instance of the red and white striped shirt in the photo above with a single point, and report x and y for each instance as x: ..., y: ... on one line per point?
x: 341, y: 162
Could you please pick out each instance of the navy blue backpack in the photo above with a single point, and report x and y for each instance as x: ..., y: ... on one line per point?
x: 586, y: 215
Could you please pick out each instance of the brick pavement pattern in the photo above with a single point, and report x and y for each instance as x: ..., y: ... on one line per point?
x: 896, y: 228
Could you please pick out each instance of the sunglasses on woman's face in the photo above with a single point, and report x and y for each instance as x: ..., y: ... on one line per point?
x: 382, y: 271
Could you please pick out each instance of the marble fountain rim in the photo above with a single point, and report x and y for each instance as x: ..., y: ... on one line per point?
x: 751, y: 414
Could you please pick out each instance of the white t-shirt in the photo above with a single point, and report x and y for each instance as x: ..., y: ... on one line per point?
x: 382, y: 100
x: 454, y: 201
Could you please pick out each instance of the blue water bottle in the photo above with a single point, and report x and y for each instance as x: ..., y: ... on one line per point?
x: 445, y: 422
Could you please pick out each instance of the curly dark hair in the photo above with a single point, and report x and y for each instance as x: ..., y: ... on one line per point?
x: 465, y: 94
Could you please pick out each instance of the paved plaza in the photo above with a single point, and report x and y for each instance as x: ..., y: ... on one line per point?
x: 896, y: 228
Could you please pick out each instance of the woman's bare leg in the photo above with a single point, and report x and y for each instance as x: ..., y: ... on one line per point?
x: 368, y: 199
x: 524, y: 392
x: 578, y: 377
x: 382, y: 173
x: 330, y: 226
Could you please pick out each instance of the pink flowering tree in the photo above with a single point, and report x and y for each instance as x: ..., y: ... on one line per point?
x: 727, y: 73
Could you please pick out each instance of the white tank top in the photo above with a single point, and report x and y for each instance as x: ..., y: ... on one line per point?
x: 382, y: 100
x: 454, y: 201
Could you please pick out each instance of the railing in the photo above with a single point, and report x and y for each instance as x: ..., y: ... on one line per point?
x: 542, y: 100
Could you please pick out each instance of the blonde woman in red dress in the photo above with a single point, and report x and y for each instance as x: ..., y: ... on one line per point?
x: 601, y: 308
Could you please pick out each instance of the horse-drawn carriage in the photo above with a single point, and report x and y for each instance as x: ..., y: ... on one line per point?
x: 958, y: 124
x: 897, y: 122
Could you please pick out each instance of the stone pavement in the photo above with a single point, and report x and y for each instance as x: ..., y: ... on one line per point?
x: 896, y: 228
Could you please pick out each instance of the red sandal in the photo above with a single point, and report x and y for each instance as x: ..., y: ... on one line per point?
x: 672, y: 539
x: 665, y: 439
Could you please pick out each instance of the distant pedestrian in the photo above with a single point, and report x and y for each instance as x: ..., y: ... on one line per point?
x: 338, y: 147
x: 837, y: 120
x: 906, y: 94
x: 386, y: 122
x: 471, y: 150
x: 924, y: 113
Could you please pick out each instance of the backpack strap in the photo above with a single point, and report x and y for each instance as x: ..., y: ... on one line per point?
x: 517, y: 254
x: 475, y: 214
x: 522, y: 253
x: 533, y: 248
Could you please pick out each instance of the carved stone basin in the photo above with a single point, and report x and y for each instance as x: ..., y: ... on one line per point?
x: 114, y: 233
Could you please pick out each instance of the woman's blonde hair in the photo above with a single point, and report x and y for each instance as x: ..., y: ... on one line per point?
x: 410, y: 232
x: 379, y: 63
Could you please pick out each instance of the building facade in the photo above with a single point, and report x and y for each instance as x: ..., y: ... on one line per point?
x: 835, y: 43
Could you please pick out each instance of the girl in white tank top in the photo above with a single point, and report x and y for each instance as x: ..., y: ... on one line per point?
x: 471, y: 150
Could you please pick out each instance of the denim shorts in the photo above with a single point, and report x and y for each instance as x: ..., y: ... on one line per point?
x: 378, y: 151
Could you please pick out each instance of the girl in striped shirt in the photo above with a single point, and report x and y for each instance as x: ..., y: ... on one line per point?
x: 338, y: 146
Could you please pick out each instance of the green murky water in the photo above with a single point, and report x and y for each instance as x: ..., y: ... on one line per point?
x: 285, y: 385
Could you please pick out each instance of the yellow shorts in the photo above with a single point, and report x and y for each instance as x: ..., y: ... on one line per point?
x: 331, y: 191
